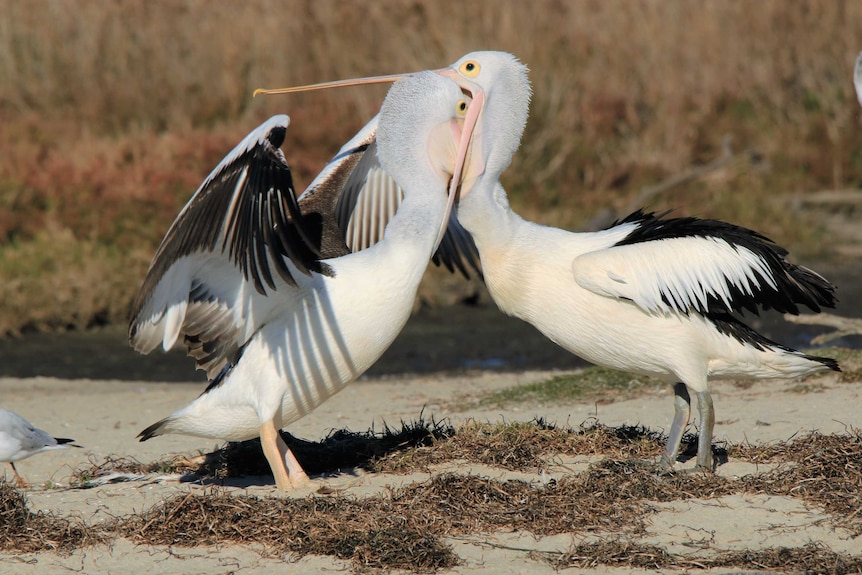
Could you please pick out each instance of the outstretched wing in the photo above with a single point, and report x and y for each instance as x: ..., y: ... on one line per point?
x: 368, y: 198
x: 680, y: 265
x: 241, y: 229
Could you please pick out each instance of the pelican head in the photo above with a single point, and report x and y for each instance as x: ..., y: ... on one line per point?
x: 502, y: 79
x: 426, y: 121
x: 498, y: 86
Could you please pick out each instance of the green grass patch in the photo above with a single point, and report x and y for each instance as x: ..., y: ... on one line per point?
x: 599, y: 383
x: 57, y: 281
x: 850, y: 361
x: 602, y: 384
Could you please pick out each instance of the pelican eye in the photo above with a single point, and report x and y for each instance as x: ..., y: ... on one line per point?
x: 470, y: 68
x: 461, y: 107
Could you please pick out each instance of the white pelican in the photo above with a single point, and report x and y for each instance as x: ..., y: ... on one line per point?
x: 650, y: 295
x: 279, y: 344
x: 20, y: 440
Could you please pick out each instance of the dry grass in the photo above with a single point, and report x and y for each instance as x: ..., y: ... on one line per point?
x: 824, y: 470
x: 113, y: 113
x: 406, y: 528
x: 811, y: 558
x: 341, y: 449
x: 524, y: 446
x: 21, y: 530
x: 368, y: 532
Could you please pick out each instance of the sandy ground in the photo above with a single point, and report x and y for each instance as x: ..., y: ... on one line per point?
x: 105, y: 416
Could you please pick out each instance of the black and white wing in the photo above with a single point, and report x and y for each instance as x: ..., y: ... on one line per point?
x: 239, y: 238
x: 683, y: 265
x: 368, y: 199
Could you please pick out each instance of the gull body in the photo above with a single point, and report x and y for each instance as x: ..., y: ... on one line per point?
x: 650, y: 295
x: 19, y: 439
x: 241, y: 278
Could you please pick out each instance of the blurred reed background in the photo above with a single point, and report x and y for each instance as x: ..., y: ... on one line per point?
x: 111, y: 113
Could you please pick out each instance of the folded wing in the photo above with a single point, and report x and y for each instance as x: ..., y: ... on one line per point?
x: 683, y: 265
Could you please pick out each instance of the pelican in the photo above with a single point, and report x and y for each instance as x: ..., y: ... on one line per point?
x: 19, y: 439
x: 650, y: 295
x: 241, y: 281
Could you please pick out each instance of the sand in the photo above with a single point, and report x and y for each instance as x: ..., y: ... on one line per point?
x: 105, y: 416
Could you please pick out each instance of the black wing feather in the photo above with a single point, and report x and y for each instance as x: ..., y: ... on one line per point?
x: 247, y: 208
x: 795, y: 284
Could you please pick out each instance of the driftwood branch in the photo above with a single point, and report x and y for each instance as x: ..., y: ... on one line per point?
x: 843, y: 325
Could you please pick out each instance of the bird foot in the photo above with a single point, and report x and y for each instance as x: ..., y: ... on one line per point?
x: 300, y: 481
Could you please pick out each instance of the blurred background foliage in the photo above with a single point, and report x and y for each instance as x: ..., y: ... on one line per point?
x: 111, y: 113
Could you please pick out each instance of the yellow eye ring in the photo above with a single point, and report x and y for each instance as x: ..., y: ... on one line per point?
x: 470, y: 68
x: 461, y: 107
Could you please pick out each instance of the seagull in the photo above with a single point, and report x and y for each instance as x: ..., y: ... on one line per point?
x: 20, y: 440
x: 650, y: 295
x: 857, y: 78
x: 245, y: 278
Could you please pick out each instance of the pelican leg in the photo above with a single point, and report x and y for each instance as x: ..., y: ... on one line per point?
x: 296, y: 474
x: 704, y: 438
x: 681, y: 413
x: 271, y: 442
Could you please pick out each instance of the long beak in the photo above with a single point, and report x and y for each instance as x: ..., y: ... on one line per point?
x: 339, y: 84
x: 470, y: 121
x: 461, y: 158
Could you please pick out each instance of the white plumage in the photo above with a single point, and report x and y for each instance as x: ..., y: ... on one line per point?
x: 19, y: 439
x: 651, y: 295
x: 265, y: 294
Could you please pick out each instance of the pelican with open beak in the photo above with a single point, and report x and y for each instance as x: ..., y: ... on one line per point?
x: 650, y: 295
x: 277, y: 310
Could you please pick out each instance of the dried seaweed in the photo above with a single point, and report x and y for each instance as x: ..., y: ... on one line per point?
x: 526, y: 446
x: 823, y: 470
x: 341, y: 449
x: 405, y: 528
x: 369, y: 532
x: 113, y: 464
x: 21, y: 530
x: 811, y: 558
x: 614, y: 552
